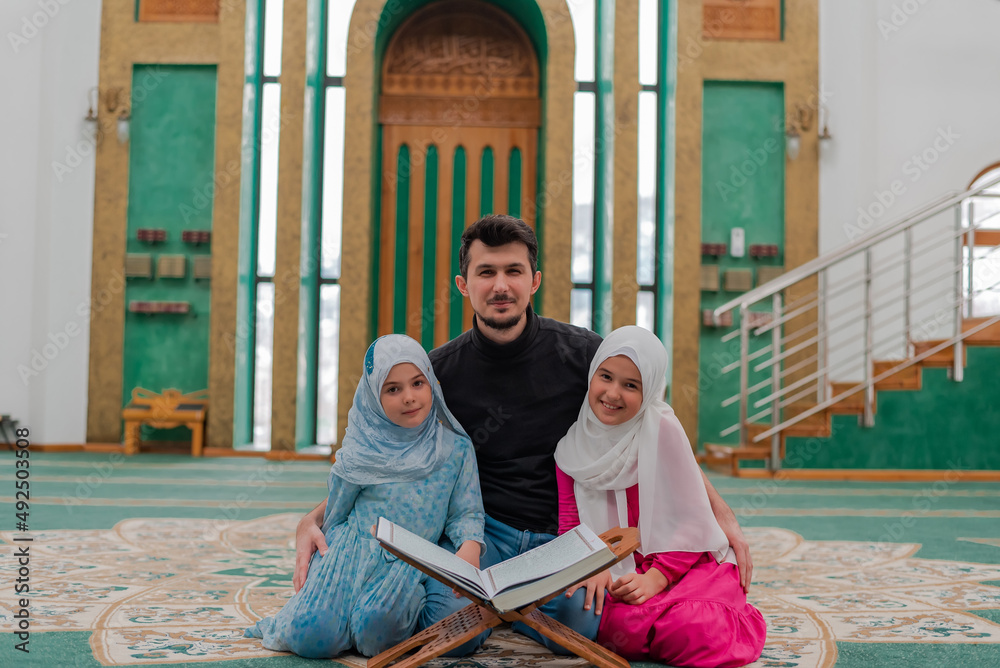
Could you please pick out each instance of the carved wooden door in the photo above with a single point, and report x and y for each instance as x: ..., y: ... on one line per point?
x: 459, y: 111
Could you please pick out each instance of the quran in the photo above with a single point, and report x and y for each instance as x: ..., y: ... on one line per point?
x: 511, y: 584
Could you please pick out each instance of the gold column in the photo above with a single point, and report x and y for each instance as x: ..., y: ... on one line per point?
x: 123, y: 44
x: 624, y: 284
x: 794, y: 62
x: 226, y: 224
x: 288, y: 248
x: 555, y: 194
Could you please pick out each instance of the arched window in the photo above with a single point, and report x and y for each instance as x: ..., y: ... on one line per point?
x: 982, y: 256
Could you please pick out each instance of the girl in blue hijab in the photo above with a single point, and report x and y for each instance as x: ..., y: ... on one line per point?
x: 405, y: 458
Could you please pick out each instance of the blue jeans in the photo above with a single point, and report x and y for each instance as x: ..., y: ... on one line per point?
x: 502, y: 543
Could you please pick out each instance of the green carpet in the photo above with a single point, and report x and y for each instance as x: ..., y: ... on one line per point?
x: 161, y: 560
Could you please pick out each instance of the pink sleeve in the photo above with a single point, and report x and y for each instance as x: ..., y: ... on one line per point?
x: 673, y: 565
x: 569, y: 515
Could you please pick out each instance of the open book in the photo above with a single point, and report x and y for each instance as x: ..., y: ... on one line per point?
x: 514, y: 583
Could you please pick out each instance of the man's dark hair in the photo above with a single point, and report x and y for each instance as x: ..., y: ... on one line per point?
x: 494, y: 230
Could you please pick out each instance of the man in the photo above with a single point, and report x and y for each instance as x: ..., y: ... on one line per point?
x: 515, y: 382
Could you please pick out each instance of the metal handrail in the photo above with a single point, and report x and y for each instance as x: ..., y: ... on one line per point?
x: 809, y: 370
x: 906, y: 364
x: 868, y: 240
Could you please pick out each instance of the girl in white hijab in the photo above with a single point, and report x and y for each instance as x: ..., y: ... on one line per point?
x: 627, y: 462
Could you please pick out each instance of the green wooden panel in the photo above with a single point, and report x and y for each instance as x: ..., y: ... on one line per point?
x: 455, y: 324
x: 743, y: 185
x: 376, y: 236
x: 171, y: 187
x: 403, y: 168
x: 486, y: 183
x: 429, y: 312
x: 529, y: 16
x: 514, y: 191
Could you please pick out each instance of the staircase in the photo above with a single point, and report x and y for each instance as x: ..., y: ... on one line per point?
x: 824, y: 339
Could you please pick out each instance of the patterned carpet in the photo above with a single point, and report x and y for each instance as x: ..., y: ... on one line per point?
x: 113, y: 585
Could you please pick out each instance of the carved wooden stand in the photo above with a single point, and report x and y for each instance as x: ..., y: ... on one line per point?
x: 165, y: 411
x: 464, y: 625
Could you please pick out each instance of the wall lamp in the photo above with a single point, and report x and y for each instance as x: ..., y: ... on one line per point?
x: 800, y: 120
x: 824, y: 114
x: 114, y: 101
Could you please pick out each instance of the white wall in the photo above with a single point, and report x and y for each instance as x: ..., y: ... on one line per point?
x: 912, y: 88
x: 49, y: 56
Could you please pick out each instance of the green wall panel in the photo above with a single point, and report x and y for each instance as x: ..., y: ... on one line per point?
x: 171, y: 187
x: 743, y: 185
x: 943, y: 425
x: 486, y: 183
x: 514, y: 179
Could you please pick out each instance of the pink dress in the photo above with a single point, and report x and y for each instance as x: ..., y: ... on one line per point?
x: 700, y: 619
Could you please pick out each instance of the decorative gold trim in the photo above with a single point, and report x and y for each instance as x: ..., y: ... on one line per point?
x: 179, y: 11
x: 446, y: 111
x: 742, y: 19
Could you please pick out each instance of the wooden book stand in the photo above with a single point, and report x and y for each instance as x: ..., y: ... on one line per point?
x: 464, y: 625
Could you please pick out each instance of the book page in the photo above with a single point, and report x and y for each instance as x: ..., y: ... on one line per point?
x: 434, y: 556
x: 568, y: 549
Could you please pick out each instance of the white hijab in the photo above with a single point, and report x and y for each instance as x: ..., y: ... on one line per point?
x: 650, y: 449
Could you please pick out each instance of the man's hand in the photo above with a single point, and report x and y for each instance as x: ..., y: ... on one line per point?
x: 469, y: 552
x: 596, y: 585
x: 731, y: 527
x: 308, y: 538
x: 634, y: 589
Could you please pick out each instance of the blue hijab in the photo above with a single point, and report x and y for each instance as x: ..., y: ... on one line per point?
x: 375, y: 449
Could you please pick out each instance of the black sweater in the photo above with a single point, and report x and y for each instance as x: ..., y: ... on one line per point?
x: 516, y: 401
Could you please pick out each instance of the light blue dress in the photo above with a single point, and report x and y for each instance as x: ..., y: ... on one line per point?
x: 359, y: 596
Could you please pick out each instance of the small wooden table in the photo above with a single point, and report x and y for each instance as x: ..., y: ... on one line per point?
x: 165, y: 411
x: 464, y: 625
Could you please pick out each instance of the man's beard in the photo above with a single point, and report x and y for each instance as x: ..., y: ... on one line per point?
x: 501, y: 324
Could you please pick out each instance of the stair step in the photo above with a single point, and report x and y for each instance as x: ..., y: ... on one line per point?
x: 727, y: 457
x: 907, y: 379
x: 988, y: 336
x: 817, y: 424
x: 851, y: 405
x: 942, y: 358
x: 755, y: 429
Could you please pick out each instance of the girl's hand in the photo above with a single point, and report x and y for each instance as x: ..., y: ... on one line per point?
x: 308, y: 539
x: 595, y: 584
x: 635, y: 589
x: 469, y: 552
